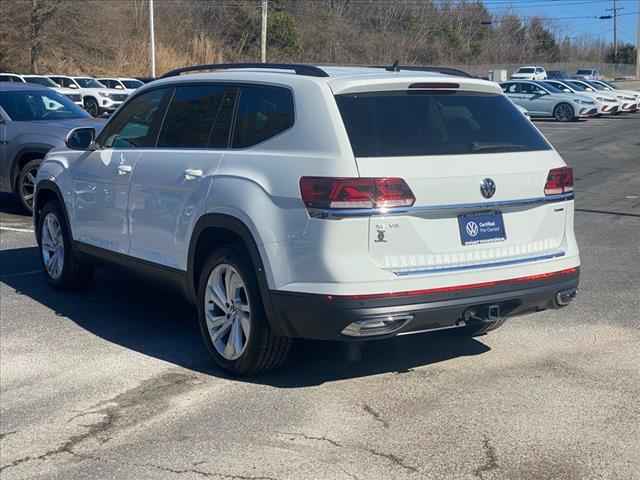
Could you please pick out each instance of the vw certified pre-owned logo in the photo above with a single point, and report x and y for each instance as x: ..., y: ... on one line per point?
x: 472, y: 229
x: 487, y: 188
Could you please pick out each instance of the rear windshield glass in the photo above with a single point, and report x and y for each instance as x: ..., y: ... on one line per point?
x: 526, y: 70
x: 133, y: 84
x: 412, y: 123
x: 584, y: 72
x: 41, y: 81
x: 39, y: 105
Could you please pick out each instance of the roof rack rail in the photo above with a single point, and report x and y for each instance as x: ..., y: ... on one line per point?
x: 415, y: 68
x: 299, y: 69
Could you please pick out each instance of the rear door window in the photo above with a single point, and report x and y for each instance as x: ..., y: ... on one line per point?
x: 418, y: 123
x: 263, y: 112
x: 199, y: 116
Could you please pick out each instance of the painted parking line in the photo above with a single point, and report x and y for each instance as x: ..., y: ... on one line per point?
x: 19, y: 230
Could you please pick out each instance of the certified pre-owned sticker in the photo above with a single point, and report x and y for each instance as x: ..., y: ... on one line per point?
x: 481, y: 228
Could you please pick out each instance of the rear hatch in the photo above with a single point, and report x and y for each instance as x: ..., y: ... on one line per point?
x: 477, y: 169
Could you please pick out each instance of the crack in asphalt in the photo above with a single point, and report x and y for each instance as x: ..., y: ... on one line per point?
x: 6, y: 434
x: 491, y: 462
x: 392, y: 458
x: 367, y: 408
x: 311, y: 437
x: 388, y: 456
x: 179, y: 471
x: 123, y: 410
x: 352, y: 475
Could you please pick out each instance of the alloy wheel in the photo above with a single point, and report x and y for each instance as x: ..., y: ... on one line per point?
x: 52, y: 246
x: 227, y: 311
x: 28, y: 186
x: 564, y: 113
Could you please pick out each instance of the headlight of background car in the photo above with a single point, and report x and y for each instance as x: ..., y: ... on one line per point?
x: 104, y: 94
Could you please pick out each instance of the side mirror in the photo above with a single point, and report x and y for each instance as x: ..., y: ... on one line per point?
x: 81, y: 138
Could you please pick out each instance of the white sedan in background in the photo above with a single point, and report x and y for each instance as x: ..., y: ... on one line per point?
x: 601, y: 85
x: 607, y: 104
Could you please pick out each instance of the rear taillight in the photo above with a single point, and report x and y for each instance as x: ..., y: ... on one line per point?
x: 348, y: 193
x: 559, y: 180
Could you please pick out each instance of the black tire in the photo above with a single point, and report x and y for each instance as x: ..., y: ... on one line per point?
x: 72, y: 274
x: 92, y: 107
x: 263, y: 350
x: 564, y: 113
x: 25, y: 184
x: 478, y: 329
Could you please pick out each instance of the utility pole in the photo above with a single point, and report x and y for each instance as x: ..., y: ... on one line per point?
x: 614, y: 13
x: 152, y: 39
x: 263, y: 40
x: 638, y: 45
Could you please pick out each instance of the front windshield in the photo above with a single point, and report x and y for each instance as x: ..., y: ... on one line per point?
x: 552, y: 87
x: 89, y: 83
x: 132, y: 84
x: 30, y: 106
x: 41, y: 81
x: 584, y: 72
x: 526, y: 70
x: 578, y: 86
x: 597, y: 86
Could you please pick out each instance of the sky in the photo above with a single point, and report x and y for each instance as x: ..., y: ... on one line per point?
x: 562, y: 12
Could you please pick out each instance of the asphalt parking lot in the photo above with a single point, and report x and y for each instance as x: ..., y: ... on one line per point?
x: 114, y: 382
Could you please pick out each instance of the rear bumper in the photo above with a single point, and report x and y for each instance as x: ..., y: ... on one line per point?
x: 325, y: 317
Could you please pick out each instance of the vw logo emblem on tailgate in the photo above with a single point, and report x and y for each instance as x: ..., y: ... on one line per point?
x: 472, y: 229
x: 487, y: 188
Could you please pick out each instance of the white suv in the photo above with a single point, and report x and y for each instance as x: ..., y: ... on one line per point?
x: 530, y: 73
x: 331, y: 203
x: 97, y: 99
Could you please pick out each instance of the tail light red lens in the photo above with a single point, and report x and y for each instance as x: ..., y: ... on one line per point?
x: 343, y: 193
x: 559, y: 180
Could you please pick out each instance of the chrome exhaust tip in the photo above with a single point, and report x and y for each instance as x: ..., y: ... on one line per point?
x: 565, y: 297
x: 381, y: 325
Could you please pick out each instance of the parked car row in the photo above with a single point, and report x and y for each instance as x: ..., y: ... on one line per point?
x: 536, y: 72
x: 96, y: 96
x: 570, y: 99
x: 33, y: 119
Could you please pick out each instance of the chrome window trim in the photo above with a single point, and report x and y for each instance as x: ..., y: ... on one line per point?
x: 422, y: 209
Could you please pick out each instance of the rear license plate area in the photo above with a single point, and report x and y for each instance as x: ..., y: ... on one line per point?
x: 481, y: 227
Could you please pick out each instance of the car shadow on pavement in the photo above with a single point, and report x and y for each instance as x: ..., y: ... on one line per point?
x: 9, y: 204
x: 158, y: 322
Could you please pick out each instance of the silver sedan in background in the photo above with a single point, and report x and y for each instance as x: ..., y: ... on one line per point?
x: 550, y: 102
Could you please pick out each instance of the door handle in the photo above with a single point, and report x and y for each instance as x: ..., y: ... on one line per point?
x: 192, y: 174
x: 124, y: 169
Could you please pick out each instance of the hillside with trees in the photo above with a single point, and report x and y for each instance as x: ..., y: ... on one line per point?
x: 109, y: 36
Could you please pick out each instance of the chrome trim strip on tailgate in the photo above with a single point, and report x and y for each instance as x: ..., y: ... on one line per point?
x: 499, y: 263
x: 419, y: 209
